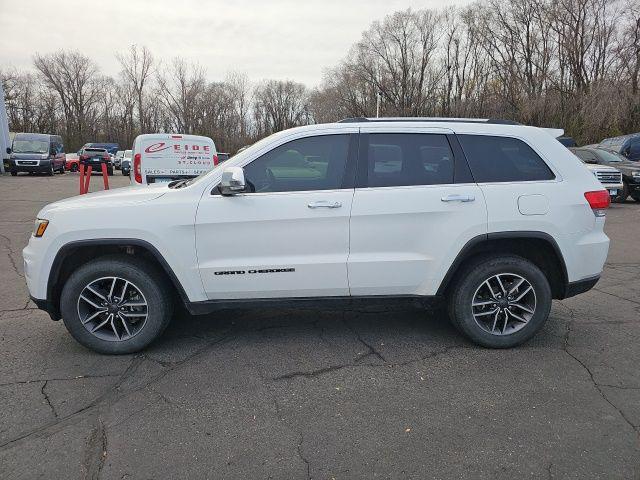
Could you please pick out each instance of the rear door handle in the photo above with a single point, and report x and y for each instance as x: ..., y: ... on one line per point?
x: 324, y: 204
x: 458, y: 198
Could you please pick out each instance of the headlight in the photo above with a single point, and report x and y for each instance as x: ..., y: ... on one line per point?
x: 635, y: 174
x: 40, y: 227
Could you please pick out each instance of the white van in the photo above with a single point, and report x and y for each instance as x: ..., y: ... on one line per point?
x: 164, y: 157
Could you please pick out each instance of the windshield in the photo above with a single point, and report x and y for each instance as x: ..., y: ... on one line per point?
x: 127, y: 153
x: 30, y: 146
x: 608, y: 156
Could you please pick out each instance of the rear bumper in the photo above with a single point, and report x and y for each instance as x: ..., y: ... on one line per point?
x: 46, y: 306
x: 580, y: 286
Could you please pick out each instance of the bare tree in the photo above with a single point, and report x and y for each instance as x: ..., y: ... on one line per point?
x: 74, y: 78
x: 279, y: 105
x: 182, y: 92
x: 137, y: 70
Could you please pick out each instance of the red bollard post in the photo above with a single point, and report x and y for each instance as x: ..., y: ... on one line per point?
x: 87, y: 179
x: 81, y: 178
x: 105, y: 176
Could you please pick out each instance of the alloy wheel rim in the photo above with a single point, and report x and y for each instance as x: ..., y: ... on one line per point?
x: 503, y: 304
x: 112, y: 309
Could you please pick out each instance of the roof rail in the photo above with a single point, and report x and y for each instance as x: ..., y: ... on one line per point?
x: 494, y: 121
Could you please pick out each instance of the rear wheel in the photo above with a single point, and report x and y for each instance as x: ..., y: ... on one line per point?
x: 636, y: 196
x: 74, y: 167
x: 500, y: 301
x: 116, y: 304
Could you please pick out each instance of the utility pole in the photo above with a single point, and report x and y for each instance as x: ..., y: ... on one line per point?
x: 378, y: 104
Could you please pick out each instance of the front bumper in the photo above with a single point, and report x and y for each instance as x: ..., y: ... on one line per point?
x: 41, y: 166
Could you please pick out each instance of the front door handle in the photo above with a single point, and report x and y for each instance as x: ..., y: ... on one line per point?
x: 324, y: 204
x: 458, y: 198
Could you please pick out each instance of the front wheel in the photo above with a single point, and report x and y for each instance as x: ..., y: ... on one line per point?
x: 500, y: 301
x: 14, y: 173
x: 74, y: 167
x: 116, y: 304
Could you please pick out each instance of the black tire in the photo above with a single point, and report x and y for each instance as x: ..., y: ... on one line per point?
x: 74, y: 167
x: 14, y: 173
x: 61, y: 170
x: 50, y: 171
x: 622, y: 197
x: 636, y: 196
x: 126, y: 174
x: 146, y: 278
x: 471, y: 278
x: 109, y: 170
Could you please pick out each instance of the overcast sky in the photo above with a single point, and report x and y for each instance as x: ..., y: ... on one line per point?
x: 283, y: 39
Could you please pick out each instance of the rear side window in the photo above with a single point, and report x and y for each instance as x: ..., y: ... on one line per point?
x: 401, y: 159
x: 503, y: 159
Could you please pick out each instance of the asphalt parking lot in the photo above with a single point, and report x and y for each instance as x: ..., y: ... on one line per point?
x: 378, y: 393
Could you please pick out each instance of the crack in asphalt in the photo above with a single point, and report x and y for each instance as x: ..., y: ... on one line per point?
x: 96, y: 450
x: 10, y: 254
x: 597, y: 386
x: 302, y: 457
x: 62, y: 379
x: 107, y: 398
x: 47, y: 399
x: 325, y: 370
x: 370, y: 349
x: 617, y: 296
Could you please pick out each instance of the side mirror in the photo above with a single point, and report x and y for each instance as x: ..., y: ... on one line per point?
x: 9, y: 150
x: 233, y: 181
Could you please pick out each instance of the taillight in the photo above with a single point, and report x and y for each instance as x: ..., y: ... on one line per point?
x: 215, y: 160
x: 137, y: 174
x: 599, y: 201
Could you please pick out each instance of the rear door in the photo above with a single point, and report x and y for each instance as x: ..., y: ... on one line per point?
x: 414, y: 208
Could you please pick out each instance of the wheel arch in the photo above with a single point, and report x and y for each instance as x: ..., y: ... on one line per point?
x: 74, y: 254
x: 538, y: 247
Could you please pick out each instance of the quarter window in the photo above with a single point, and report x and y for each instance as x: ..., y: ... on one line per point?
x: 503, y: 159
x: 400, y: 159
x: 311, y: 163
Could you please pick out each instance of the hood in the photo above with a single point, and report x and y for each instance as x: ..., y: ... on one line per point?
x: 117, y: 197
x: 601, y: 168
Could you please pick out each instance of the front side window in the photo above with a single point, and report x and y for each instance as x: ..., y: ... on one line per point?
x: 503, y: 159
x: 402, y: 159
x: 311, y: 163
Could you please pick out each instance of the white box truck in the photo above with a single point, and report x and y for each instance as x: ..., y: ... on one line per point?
x: 164, y: 157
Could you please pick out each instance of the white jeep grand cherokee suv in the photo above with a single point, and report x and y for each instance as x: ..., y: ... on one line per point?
x: 496, y: 218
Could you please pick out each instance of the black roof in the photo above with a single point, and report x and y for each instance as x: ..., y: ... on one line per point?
x: 493, y: 121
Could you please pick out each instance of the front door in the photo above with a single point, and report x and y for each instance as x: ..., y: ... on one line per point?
x: 289, y: 235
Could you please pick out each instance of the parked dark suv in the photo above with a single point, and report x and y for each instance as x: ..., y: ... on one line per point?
x: 630, y: 170
x: 37, y: 153
x: 627, y: 145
